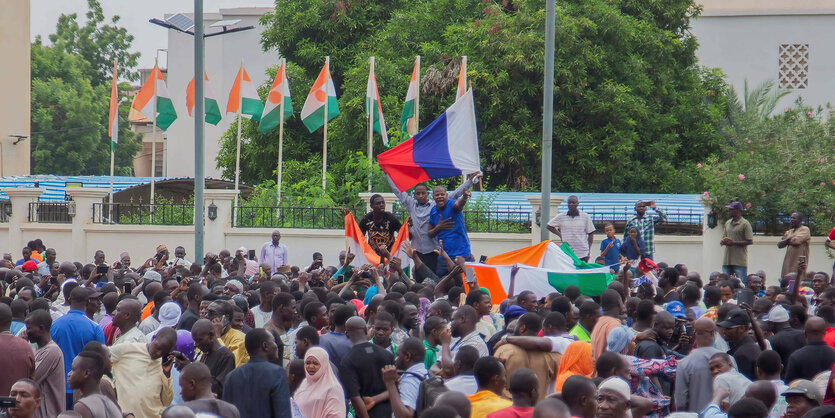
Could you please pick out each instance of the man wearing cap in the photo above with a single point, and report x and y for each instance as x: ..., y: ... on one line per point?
x: 29, y: 266
x: 645, y: 224
x: 815, y: 357
x: 574, y: 228
x: 738, y: 236
x: 802, y: 396
x: 796, y: 241
x: 273, y: 252
x: 786, y: 339
x: 613, y: 398
x: 74, y: 330
x: 743, y: 348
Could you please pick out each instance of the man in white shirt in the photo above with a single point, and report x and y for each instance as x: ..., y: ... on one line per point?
x: 273, y: 252
x: 574, y: 228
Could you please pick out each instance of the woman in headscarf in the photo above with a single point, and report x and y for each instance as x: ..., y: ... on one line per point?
x: 634, y: 246
x: 320, y: 395
x: 577, y: 359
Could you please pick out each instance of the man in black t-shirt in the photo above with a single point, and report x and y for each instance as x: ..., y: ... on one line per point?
x: 360, y: 371
x: 380, y: 226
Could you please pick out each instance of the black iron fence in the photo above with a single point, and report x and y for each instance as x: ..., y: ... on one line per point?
x: 144, y: 213
x: 51, y: 212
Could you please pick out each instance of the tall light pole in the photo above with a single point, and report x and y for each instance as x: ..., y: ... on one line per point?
x: 547, y: 118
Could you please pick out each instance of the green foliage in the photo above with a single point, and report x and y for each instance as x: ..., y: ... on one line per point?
x: 775, y: 166
x: 165, y: 212
x: 633, y: 111
x: 71, y: 98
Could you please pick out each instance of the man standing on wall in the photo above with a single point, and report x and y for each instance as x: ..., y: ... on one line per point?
x: 645, y: 224
x: 574, y: 228
x: 797, y: 240
x: 738, y: 236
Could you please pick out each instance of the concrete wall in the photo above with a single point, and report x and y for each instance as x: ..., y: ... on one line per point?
x: 743, y: 38
x: 223, y: 56
x: 15, y: 85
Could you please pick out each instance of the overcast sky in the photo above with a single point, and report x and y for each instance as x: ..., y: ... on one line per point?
x: 134, y: 17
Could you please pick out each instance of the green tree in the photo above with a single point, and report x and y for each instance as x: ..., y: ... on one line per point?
x: 71, y: 98
x: 633, y: 112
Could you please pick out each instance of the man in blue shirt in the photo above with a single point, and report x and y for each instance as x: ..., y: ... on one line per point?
x: 409, y: 358
x: 446, y: 224
x: 74, y: 330
x: 610, y: 248
x: 259, y: 388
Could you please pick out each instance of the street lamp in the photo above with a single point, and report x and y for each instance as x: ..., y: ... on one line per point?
x: 184, y: 24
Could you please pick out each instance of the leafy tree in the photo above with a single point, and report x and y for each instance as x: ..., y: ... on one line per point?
x: 633, y: 110
x: 71, y: 98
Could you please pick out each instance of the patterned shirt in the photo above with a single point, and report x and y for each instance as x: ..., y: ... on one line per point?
x: 646, y: 228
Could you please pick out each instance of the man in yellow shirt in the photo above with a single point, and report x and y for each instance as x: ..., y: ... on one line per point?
x: 220, y: 313
x: 491, y: 377
x: 144, y: 385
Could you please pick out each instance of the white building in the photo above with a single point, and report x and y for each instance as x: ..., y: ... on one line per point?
x: 223, y: 56
x: 779, y: 40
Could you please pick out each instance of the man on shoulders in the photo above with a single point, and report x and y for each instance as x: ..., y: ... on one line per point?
x: 574, y: 228
x: 738, y: 236
x: 273, y: 252
x: 645, y: 224
x: 446, y: 223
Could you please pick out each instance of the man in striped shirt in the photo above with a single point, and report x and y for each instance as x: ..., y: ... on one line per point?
x: 574, y: 228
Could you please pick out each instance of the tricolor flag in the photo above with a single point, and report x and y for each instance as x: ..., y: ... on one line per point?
x: 243, y: 94
x: 373, y: 107
x: 408, y: 119
x: 210, y: 104
x: 279, y: 92
x: 543, y: 269
x: 462, y: 79
x: 448, y: 147
x: 144, y: 100
x: 313, y: 112
x: 358, y: 245
x: 113, y: 117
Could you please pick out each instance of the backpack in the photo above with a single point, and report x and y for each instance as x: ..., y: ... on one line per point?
x: 430, y: 390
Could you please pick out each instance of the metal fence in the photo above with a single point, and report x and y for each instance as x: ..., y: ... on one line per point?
x: 144, y: 213
x: 780, y: 224
x: 51, y: 212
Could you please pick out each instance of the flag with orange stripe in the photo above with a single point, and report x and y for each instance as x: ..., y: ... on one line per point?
x: 358, y: 245
x: 210, y: 106
x: 323, y: 90
x: 113, y: 117
x: 243, y: 94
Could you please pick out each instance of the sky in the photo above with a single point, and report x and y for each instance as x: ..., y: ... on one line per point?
x: 134, y: 17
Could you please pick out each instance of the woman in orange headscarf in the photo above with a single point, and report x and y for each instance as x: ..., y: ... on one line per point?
x: 577, y: 359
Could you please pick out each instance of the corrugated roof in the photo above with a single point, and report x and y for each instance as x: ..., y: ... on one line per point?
x: 56, y: 185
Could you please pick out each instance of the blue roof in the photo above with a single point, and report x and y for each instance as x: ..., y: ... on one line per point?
x: 56, y: 185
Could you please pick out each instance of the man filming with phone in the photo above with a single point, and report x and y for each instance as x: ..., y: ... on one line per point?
x: 796, y: 241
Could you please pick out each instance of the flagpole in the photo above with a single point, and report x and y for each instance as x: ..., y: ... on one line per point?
x: 238, y: 147
x: 325, y: 137
x: 464, y: 83
x: 154, y: 134
x: 114, y: 134
x: 281, y: 137
x: 417, y: 96
x: 370, y: 107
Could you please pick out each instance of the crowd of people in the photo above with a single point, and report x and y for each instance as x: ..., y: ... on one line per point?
x: 246, y: 335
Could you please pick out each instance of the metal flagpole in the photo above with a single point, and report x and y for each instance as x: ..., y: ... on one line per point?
x: 199, y: 109
x: 154, y: 134
x: 114, y: 137
x: 281, y: 136
x: 238, y: 148
x: 371, y: 121
x: 325, y: 137
x: 417, y: 96
x: 547, y: 118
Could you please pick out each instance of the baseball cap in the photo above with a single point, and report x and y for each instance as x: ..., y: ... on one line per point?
x: 676, y: 309
x: 736, y: 318
x: 777, y: 314
x: 29, y: 266
x: 734, y: 205
x: 806, y: 388
x: 514, y: 311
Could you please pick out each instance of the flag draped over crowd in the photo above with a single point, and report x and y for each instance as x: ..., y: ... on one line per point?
x: 543, y: 269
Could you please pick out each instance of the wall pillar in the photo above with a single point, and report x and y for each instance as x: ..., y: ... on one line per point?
x: 19, y: 198
x: 83, y: 199
x: 536, y: 205
x: 390, y: 199
x: 214, y: 237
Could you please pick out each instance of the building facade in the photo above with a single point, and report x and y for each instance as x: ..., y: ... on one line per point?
x: 15, y: 86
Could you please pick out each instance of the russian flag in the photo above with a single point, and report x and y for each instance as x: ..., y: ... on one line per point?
x: 448, y: 147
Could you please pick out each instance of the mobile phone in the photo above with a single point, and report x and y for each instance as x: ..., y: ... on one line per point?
x: 178, y: 355
x: 158, y: 257
x: 252, y: 254
x: 791, y: 286
x: 127, y: 287
x: 745, y: 296
x: 482, y: 259
x: 7, y: 402
x: 340, y: 278
x: 801, y: 259
x: 53, y: 280
x: 101, y: 269
x: 469, y: 274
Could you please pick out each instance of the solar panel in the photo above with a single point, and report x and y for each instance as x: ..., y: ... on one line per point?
x: 225, y: 23
x: 181, y: 21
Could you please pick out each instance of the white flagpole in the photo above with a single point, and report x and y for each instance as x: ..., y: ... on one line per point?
x: 371, y: 121
x: 464, y: 84
x: 281, y: 135
x: 325, y: 137
x: 238, y: 148
x: 114, y: 137
x: 154, y: 135
x: 417, y: 96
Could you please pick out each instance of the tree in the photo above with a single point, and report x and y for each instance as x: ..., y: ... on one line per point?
x: 71, y: 97
x: 633, y: 112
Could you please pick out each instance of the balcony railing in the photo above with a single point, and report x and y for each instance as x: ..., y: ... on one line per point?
x: 50, y: 212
